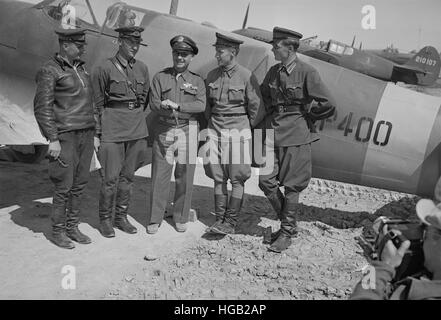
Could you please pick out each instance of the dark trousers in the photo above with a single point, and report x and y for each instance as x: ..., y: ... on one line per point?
x: 165, y: 152
x: 119, y: 161
x: 70, y: 175
x: 292, y: 169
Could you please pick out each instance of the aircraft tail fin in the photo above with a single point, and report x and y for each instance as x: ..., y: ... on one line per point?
x: 428, y: 61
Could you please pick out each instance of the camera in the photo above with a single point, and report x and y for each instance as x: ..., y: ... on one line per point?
x: 413, y: 260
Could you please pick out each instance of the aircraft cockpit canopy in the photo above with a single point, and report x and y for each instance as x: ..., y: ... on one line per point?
x: 89, y: 14
x: 70, y: 13
x: 340, y: 48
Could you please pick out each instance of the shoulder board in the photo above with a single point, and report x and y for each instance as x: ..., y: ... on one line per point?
x: 194, y: 73
x: 165, y: 70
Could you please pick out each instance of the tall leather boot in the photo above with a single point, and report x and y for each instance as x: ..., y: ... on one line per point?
x: 72, y: 221
x: 105, y: 213
x: 230, y: 218
x: 277, y: 201
x: 288, y: 228
x: 59, y: 237
x: 220, y: 206
x: 121, y: 209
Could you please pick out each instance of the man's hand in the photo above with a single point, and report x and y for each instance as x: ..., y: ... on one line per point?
x: 391, y: 255
x: 164, y: 104
x: 173, y: 105
x: 96, y: 143
x: 54, y: 149
x: 169, y: 105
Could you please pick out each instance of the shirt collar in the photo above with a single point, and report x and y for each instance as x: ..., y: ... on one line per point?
x: 289, y: 67
x: 184, y: 74
x: 124, y: 62
x: 64, y: 62
x: 230, y: 70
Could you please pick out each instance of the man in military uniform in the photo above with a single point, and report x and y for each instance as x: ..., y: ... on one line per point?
x: 234, y: 106
x: 177, y: 96
x: 121, y: 86
x: 63, y: 107
x: 287, y: 89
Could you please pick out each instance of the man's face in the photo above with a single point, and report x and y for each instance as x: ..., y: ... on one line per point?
x: 181, y: 60
x: 280, y: 51
x: 129, y: 47
x: 74, y: 50
x: 432, y: 250
x: 224, y: 55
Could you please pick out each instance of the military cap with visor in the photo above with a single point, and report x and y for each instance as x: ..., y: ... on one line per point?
x: 226, y: 41
x: 77, y: 36
x: 184, y: 43
x: 132, y: 32
x: 285, y: 34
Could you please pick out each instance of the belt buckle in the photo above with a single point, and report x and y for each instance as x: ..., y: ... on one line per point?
x: 281, y: 108
x: 131, y: 105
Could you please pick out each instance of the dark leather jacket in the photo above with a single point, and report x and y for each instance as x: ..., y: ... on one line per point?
x: 64, y: 98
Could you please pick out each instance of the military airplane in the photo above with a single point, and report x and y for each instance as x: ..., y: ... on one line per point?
x: 382, y: 135
x: 421, y: 69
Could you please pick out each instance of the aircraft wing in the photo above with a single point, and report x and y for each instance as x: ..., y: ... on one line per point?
x: 17, y: 126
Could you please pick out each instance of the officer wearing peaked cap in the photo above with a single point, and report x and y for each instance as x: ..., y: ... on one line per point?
x: 121, y: 86
x: 184, y: 43
x: 177, y: 97
x: 234, y: 106
x: 63, y: 107
x: 287, y: 89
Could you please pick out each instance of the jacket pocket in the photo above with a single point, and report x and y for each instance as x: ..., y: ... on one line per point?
x: 165, y: 93
x: 213, y: 91
x: 189, y: 91
x: 295, y: 91
x: 236, y: 94
x: 118, y: 87
x: 274, y: 91
x: 139, y: 86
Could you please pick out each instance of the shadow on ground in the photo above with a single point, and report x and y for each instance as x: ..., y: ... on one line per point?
x: 36, y: 215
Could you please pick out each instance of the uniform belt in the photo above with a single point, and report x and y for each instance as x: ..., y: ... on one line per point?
x: 229, y: 114
x: 123, y: 104
x: 172, y: 121
x: 281, y: 108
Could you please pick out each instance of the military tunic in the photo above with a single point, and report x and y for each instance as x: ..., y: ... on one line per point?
x: 286, y: 91
x: 187, y: 89
x: 234, y: 106
x: 296, y: 84
x: 117, y: 123
x: 121, y: 89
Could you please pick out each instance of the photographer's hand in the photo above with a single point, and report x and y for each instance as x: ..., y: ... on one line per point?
x: 391, y: 255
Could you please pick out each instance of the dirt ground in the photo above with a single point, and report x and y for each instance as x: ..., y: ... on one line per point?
x: 324, y: 262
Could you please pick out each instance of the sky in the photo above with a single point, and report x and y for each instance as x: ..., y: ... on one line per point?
x: 407, y: 24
